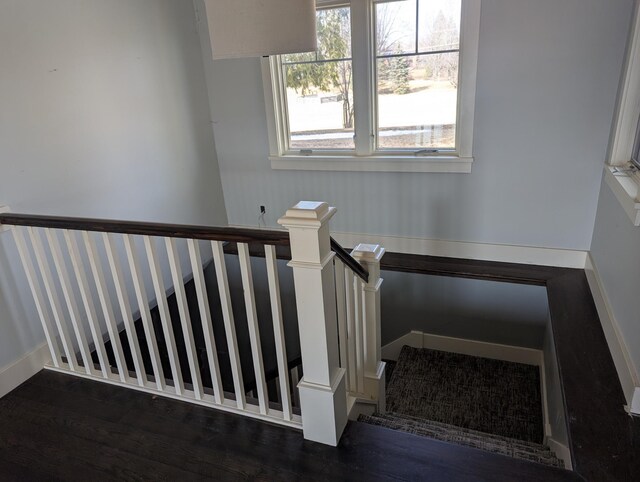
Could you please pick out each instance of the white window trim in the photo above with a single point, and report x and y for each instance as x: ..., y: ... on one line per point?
x: 626, y: 185
x: 387, y: 161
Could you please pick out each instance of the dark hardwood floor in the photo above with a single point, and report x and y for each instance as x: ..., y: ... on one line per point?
x: 59, y: 427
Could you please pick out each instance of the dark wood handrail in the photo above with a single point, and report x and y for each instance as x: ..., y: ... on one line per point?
x: 208, y: 233
x: 349, y: 260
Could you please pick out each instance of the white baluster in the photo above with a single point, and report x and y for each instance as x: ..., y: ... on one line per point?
x: 341, y: 302
x: 32, y: 279
x: 254, y: 328
x: 165, y: 315
x: 278, y: 329
x: 105, y: 303
x: 369, y: 256
x: 322, y: 389
x: 125, y: 308
x: 52, y: 295
x: 145, y: 313
x: 229, y: 323
x: 87, y: 301
x: 351, y: 330
x: 205, y: 319
x: 359, y: 322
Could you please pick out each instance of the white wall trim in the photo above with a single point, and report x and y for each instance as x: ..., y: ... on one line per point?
x: 627, y: 372
x: 627, y: 191
x: 564, y: 258
x: 561, y: 451
x: 13, y: 375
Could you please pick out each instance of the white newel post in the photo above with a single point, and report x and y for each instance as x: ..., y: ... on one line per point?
x: 369, y: 255
x: 322, y: 389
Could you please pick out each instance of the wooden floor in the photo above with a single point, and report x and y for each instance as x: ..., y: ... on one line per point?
x: 59, y: 427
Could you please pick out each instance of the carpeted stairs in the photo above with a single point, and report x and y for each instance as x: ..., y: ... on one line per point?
x: 477, y: 402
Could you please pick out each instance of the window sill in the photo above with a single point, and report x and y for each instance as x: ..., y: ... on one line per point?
x: 372, y: 164
x: 627, y: 190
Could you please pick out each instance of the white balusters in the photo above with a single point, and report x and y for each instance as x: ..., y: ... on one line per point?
x: 205, y: 319
x: 145, y: 313
x: 87, y: 302
x: 52, y: 295
x: 338, y: 318
x: 185, y: 317
x: 165, y: 315
x: 125, y: 308
x: 34, y: 284
x: 70, y: 299
x: 105, y: 303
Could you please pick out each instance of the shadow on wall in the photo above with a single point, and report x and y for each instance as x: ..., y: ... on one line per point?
x: 490, y: 311
x: 20, y: 327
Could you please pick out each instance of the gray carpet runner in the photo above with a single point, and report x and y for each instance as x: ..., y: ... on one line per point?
x: 491, y: 396
x: 477, y: 402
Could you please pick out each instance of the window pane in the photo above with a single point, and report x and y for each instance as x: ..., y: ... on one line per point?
x: 439, y: 25
x: 334, y: 33
x: 321, y: 107
x: 396, y: 27
x: 417, y: 101
x: 319, y: 87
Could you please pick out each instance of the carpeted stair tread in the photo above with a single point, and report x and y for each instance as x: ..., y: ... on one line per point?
x: 472, y: 434
x: 452, y: 434
x: 486, y: 395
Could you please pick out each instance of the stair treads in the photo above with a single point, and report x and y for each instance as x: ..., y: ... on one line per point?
x: 491, y: 396
x: 469, y: 438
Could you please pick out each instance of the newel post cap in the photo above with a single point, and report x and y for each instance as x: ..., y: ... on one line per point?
x: 368, y: 252
x: 307, y: 213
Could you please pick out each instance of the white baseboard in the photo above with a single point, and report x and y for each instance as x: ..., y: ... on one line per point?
x: 12, y: 376
x: 505, y: 253
x: 564, y: 258
x: 496, y: 351
x: 561, y: 451
x: 627, y: 372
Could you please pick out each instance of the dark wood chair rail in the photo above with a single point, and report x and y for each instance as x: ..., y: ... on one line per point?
x: 208, y: 233
x: 349, y: 260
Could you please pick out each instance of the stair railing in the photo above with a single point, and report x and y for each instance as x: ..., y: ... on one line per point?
x: 85, y: 260
x: 109, y: 273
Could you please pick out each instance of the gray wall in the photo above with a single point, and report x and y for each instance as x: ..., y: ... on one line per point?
x: 105, y: 114
x: 547, y: 82
x: 615, y: 252
x: 505, y: 313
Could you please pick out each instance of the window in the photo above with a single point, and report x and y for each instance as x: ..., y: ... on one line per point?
x: 390, y: 88
x: 621, y: 173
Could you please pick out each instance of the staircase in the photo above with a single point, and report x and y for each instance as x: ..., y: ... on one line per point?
x: 466, y: 393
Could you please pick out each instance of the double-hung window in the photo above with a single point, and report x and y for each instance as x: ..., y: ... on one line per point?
x: 391, y: 87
